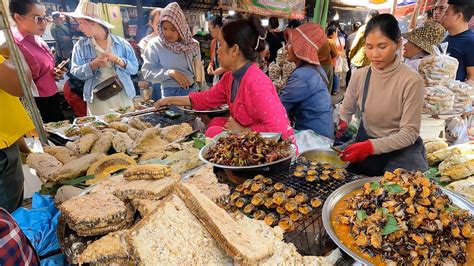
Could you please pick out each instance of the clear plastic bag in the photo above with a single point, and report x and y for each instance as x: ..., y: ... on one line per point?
x: 439, y: 68
x: 438, y: 100
x: 463, y: 93
x: 341, y: 65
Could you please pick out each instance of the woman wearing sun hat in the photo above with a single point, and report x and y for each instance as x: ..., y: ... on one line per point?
x: 420, y: 43
x: 104, y: 61
x: 306, y: 96
x: 169, y: 58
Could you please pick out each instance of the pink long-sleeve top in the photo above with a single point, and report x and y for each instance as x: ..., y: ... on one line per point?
x: 40, y: 60
x: 256, y: 105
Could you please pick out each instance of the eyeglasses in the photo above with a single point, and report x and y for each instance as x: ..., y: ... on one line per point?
x: 39, y: 19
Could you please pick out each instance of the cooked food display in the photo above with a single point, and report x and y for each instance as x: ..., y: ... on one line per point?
x: 123, y: 109
x: 112, y: 117
x: 84, y: 120
x: 314, y: 171
x: 404, y: 219
x: 219, y: 108
x: 56, y: 125
x: 72, y: 131
x: 276, y: 204
x: 248, y: 149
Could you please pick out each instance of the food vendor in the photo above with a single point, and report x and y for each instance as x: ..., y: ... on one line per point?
x: 390, y: 96
x: 253, y: 101
x: 306, y: 97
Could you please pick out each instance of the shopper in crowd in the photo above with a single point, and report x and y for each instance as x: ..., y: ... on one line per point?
x: 327, y: 54
x: 153, y: 23
x: 336, y: 42
x: 349, y: 42
x: 63, y: 38
x: 253, y: 101
x: 30, y: 18
x: 306, y: 97
x: 275, y: 38
x: 420, y: 42
x: 214, y: 69
x: 169, y: 58
x: 357, y: 53
x: 14, y: 123
x: 103, y: 60
x: 390, y: 96
x: 439, y: 10
x: 460, y: 38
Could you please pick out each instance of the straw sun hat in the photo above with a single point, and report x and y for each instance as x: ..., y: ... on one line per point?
x: 306, y: 40
x: 90, y: 11
x: 432, y: 33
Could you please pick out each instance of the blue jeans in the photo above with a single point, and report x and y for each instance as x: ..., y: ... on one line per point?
x: 178, y: 91
x: 156, y: 92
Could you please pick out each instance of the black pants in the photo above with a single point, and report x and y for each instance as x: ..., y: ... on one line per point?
x: 411, y: 158
x: 11, y: 178
x: 50, y: 108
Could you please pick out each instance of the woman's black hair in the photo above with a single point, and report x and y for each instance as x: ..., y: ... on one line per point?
x: 293, y: 24
x: 273, y: 23
x: 246, y: 33
x: 216, y: 21
x: 387, y: 24
x: 330, y: 30
x: 21, y: 7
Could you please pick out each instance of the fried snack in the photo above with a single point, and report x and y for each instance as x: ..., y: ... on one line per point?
x: 206, y: 181
x: 433, y: 146
x: 139, y: 124
x: 112, y: 117
x: 103, y: 144
x: 153, y: 155
x: 84, y: 130
x: 170, y: 230
x: 110, y: 164
x: 63, y: 154
x: 147, y: 172
x: 460, y: 171
x: 175, y: 132
x: 150, y: 140
x: 133, y: 133
x: 85, y: 143
x: 145, y: 206
x: 110, y: 249
x: 72, y: 131
x: 93, y: 211
x: 76, y: 168
x: 122, y: 127
x: 121, y: 142
x: 45, y: 164
x: 146, y: 189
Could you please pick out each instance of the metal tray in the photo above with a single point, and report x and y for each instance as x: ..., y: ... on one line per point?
x: 338, y: 194
x: 222, y: 110
x: 204, y: 150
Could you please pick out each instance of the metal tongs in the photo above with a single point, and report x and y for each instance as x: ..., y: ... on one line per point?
x: 145, y: 111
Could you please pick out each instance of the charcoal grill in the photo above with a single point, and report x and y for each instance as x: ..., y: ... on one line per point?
x: 159, y: 118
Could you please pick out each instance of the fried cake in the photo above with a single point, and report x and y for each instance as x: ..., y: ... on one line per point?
x: 112, y: 248
x: 147, y: 172
x: 45, y: 164
x: 76, y: 168
x: 63, y: 154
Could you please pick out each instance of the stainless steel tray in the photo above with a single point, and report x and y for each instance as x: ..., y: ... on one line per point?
x: 222, y: 110
x: 204, y: 150
x: 339, y: 193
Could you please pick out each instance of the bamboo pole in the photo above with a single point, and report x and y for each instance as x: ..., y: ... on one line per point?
x: 316, y: 11
x: 414, y: 17
x: 394, y: 7
x: 16, y: 60
x: 325, y: 14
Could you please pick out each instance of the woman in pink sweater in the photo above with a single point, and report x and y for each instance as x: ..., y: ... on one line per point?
x: 253, y: 101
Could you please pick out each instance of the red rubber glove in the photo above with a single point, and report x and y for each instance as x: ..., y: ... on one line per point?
x: 357, y: 152
x: 341, y: 128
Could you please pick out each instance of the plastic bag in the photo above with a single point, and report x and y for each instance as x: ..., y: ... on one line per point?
x: 309, y: 140
x: 457, y: 131
x: 40, y: 224
x: 438, y: 69
x: 438, y: 100
x: 341, y: 65
x: 463, y: 93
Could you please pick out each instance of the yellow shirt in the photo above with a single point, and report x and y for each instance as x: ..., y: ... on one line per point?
x: 357, y: 53
x: 14, y: 121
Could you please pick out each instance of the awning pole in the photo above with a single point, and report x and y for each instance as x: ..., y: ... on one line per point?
x: 16, y: 60
x: 394, y: 7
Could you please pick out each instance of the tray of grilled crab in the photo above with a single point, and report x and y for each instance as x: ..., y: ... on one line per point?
x: 274, y: 202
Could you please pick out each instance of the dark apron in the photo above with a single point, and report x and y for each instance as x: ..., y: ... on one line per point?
x: 411, y: 158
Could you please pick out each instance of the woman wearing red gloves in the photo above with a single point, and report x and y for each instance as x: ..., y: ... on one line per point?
x: 390, y: 96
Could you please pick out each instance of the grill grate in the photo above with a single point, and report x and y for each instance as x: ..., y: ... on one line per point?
x: 158, y: 118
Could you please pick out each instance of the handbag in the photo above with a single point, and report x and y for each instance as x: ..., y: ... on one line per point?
x: 108, y: 88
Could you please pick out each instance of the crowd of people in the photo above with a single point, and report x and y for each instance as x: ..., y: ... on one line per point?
x: 382, y: 84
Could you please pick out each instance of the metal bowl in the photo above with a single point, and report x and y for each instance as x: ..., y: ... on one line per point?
x: 324, y: 156
x: 263, y: 167
x: 339, y: 193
